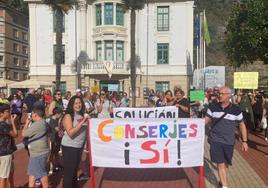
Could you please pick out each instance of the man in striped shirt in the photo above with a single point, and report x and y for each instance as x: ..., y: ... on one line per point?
x: 224, y: 118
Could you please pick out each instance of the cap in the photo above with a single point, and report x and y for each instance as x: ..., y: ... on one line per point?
x: 78, y: 90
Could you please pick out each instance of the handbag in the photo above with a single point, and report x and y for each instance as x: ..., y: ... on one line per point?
x: 26, y: 141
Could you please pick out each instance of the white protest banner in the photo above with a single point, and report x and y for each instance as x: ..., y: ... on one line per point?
x: 147, y: 143
x: 146, y: 113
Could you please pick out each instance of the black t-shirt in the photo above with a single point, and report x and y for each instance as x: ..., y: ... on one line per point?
x: 7, y: 143
x: 183, y: 102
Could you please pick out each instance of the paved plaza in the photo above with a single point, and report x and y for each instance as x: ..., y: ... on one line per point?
x: 249, y: 170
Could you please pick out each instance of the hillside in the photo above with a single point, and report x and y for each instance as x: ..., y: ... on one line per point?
x: 217, y: 13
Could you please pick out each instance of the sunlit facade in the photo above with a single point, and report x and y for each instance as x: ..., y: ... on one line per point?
x: 98, y: 34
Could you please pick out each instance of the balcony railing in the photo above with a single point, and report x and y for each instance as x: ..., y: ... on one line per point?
x: 98, y: 67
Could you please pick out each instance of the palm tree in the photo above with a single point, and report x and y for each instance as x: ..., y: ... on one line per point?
x: 133, y: 5
x: 60, y: 7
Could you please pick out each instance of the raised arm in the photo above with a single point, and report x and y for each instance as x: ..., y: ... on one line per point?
x: 68, y: 125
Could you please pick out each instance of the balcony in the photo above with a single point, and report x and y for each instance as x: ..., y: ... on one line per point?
x: 99, y: 67
x: 109, y: 30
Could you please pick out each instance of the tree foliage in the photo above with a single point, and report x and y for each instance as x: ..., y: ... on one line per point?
x: 19, y: 5
x: 247, y: 33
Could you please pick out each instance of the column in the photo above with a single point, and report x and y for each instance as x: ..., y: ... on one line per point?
x: 83, y: 26
x: 114, y: 50
x: 102, y: 50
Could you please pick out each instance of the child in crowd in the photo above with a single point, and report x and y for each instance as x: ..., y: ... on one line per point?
x: 38, y: 148
x: 55, y: 140
x: 7, y: 146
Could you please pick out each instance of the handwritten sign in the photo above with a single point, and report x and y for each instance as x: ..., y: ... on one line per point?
x: 95, y: 89
x: 246, y: 80
x: 197, y: 95
x: 151, y: 143
x: 146, y: 113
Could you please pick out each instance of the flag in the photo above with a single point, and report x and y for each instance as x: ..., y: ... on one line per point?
x: 197, y: 31
x: 206, y: 32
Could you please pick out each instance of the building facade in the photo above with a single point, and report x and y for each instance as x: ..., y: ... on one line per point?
x: 14, y: 44
x: 96, y: 40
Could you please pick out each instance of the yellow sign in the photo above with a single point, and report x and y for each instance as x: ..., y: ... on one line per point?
x: 246, y: 80
x: 95, y: 89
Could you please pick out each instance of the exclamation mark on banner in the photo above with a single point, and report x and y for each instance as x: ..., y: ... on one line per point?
x: 126, y: 154
x: 179, y: 152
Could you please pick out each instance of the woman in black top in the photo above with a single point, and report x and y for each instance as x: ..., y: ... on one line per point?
x: 182, y: 103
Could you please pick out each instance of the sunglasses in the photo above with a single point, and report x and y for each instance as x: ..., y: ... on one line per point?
x: 58, y: 94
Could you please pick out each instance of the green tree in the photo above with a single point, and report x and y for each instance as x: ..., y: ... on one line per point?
x: 247, y: 33
x: 19, y: 5
x: 133, y: 6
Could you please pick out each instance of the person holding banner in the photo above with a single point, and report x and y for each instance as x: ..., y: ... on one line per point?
x: 73, y: 140
x: 182, y: 103
x: 224, y: 117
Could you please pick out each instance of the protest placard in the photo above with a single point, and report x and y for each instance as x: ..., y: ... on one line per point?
x: 246, y: 80
x: 147, y: 143
x: 146, y: 113
x: 95, y: 89
x: 197, y: 95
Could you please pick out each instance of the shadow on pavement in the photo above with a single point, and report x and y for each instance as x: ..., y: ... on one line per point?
x: 147, y: 175
x: 209, y: 174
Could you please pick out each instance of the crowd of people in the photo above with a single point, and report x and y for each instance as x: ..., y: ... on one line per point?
x: 58, y: 124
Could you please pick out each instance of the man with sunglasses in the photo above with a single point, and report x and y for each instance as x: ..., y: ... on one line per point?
x: 224, y: 118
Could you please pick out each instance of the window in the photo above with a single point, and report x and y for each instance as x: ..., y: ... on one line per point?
x: 62, y: 87
x: 2, y: 13
x: 54, y: 22
x: 24, y: 63
x: 109, y: 50
x: 98, y: 14
x: 98, y: 51
x: 16, y: 62
x: 1, y: 59
x: 1, y: 74
x: 24, y: 36
x: 162, y: 53
x: 2, y: 29
x: 1, y: 44
x: 63, y: 54
x: 162, y: 18
x: 120, y: 51
x: 161, y: 86
x: 108, y: 14
x: 119, y: 15
x: 25, y: 76
x: 25, y: 50
x: 16, y: 47
x: 16, y: 75
x: 15, y: 33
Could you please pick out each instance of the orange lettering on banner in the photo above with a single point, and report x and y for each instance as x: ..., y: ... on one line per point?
x: 100, y: 130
